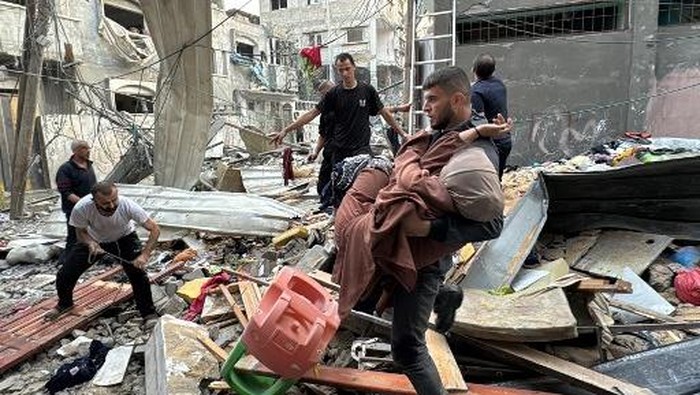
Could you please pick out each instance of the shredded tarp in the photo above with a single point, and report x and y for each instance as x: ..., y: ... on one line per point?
x: 181, y: 33
x: 132, y: 47
x: 217, y: 212
x: 256, y: 67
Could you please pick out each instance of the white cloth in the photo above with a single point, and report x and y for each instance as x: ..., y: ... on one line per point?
x: 108, y: 229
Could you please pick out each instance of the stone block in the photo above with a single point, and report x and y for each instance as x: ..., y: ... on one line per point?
x: 175, y: 360
x: 215, y: 307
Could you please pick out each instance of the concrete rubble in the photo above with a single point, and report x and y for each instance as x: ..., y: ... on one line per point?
x: 543, y: 295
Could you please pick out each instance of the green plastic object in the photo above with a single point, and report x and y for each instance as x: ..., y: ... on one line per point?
x: 251, y: 384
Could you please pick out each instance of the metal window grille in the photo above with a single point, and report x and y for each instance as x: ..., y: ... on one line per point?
x: 676, y: 12
x: 594, y: 17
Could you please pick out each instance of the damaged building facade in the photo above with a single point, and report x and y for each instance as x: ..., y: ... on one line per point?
x: 100, y: 76
x: 581, y: 72
x: 372, y: 31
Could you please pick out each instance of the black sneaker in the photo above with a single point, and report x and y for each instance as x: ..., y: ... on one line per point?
x: 447, y: 301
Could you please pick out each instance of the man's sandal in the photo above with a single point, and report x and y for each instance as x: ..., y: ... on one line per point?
x: 56, y: 312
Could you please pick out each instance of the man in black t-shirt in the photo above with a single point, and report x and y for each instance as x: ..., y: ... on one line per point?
x: 352, y: 103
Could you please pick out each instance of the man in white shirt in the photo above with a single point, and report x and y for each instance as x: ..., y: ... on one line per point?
x: 105, y: 222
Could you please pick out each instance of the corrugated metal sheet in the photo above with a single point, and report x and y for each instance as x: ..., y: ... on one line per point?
x: 498, y: 261
x: 27, y: 333
x: 218, y: 212
x: 268, y: 181
x: 659, y: 197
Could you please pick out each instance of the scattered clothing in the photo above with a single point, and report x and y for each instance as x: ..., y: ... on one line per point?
x: 80, y: 370
x: 312, y: 54
x: 687, y: 284
x: 287, y: 166
x: 198, y: 304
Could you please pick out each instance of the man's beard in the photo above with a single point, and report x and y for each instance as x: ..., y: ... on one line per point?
x: 444, y: 120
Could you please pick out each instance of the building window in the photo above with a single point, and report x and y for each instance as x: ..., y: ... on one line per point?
x: 355, y: 35
x: 245, y: 49
x: 280, y: 51
x: 219, y: 65
x: 128, y: 19
x: 278, y: 4
x: 315, y: 39
x: 133, y: 104
x: 553, y: 21
x: 676, y: 12
x: 310, y: 2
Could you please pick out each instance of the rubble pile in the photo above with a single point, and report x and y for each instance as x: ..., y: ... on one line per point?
x: 569, y: 304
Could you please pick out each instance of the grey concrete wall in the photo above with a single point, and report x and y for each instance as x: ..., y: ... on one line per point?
x: 678, y: 71
x: 549, y: 78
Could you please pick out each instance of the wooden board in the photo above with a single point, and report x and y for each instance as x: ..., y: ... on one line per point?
x: 556, y: 367
x: 544, y: 316
x: 250, y: 293
x: 440, y: 351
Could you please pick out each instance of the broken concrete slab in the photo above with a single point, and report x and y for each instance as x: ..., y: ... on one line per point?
x: 193, y: 275
x: 313, y: 259
x: 35, y: 253
x: 642, y: 295
x: 617, y: 249
x: 173, y: 306
x: 79, y: 346
x: 544, y: 316
x: 215, y: 307
x: 114, y: 368
x: 175, y: 360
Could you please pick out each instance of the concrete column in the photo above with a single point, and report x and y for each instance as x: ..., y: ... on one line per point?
x: 373, y: 37
x: 644, y: 26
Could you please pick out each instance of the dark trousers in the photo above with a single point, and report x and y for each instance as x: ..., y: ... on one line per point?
x: 77, y: 262
x: 324, y: 175
x: 503, y: 146
x: 71, y: 239
x: 411, y: 314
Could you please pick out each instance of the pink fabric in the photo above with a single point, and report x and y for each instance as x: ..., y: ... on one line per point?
x: 687, y: 285
x: 198, y: 304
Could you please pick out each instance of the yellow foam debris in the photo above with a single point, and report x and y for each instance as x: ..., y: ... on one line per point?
x: 284, y: 238
x: 466, y: 252
x: 191, y: 289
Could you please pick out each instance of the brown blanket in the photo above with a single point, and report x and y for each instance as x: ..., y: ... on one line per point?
x: 368, y: 222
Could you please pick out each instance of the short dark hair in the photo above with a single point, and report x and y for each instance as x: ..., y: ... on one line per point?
x: 484, y: 66
x: 103, y: 188
x: 343, y: 57
x: 452, y: 79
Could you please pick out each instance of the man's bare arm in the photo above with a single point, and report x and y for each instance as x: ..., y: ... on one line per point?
x: 153, y: 233
x: 392, y: 122
x: 301, y: 121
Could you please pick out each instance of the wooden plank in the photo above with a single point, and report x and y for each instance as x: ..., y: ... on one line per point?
x: 218, y: 352
x: 251, y: 295
x: 440, y: 351
x: 364, y: 380
x: 234, y: 305
x: 556, y: 367
x: 324, y: 279
x: 594, y: 285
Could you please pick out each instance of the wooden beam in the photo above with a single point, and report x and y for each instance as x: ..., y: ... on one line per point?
x: 234, y: 306
x: 219, y: 353
x: 250, y: 293
x: 593, y: 285
x: 556, y: 367
x: 450, y: 374
x: 363, y: 380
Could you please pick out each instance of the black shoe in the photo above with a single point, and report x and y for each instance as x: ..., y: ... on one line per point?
x: 447, y: 301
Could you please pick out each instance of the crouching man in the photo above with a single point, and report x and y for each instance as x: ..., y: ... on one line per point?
x: 105, y: 222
